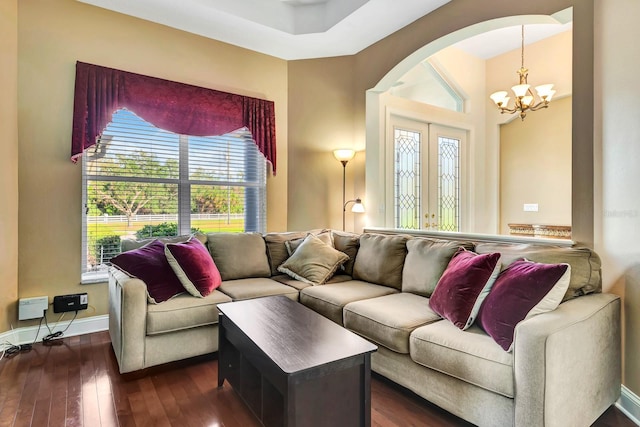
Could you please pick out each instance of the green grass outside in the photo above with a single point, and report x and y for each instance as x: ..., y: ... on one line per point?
x: 100, y: 229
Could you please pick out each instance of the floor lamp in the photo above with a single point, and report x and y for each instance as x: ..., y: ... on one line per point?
x: 343, y: 156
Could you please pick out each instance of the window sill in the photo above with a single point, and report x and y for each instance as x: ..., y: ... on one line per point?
x: 93, y: 277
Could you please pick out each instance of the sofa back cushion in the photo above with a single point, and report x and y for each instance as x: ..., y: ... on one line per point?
x: 349, y: 244
x: 585, y: 264
x: 380, y: 259
x: 239, y: 255
x: 426, y: 261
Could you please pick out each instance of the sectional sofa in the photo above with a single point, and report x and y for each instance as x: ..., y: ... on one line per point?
x: 563, y: 367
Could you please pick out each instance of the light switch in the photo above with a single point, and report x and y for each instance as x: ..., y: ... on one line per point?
x: 531, y: 207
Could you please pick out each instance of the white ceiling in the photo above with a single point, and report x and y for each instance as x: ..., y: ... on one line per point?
x: 496, y: 42
x: 287, y: 29
x: 302, y: 29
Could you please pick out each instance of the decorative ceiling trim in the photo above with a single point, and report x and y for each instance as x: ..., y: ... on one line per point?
x: 287, y: 29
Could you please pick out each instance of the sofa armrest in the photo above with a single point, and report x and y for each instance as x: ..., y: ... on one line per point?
x: 127, y: 319
x: 567, y: 363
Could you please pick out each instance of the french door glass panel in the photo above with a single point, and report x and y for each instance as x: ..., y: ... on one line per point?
x: 407, y: 178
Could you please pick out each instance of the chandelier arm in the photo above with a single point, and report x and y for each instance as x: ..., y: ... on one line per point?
x: 539, y: 105
x: 509, y: 110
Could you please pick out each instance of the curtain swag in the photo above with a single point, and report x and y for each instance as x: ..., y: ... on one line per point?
x: 173, y: 106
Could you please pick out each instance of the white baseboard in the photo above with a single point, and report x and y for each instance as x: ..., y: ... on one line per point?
x: 629, y: 404
x: 86, y: 325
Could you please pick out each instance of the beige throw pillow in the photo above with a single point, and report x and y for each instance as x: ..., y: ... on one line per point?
x: 293, y: 244
x: 313, y: 262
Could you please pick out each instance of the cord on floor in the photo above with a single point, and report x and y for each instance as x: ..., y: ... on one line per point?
x: 53, y: 338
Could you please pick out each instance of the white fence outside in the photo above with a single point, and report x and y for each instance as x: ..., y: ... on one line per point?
x: 158, y: 218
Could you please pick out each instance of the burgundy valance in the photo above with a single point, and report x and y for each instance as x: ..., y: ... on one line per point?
x: 176, y: 107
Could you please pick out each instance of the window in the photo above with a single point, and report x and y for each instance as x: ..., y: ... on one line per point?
x: 426, y: 84
x: 140, y: 181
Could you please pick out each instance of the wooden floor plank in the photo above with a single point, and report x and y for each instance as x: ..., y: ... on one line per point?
x: 76, y: 383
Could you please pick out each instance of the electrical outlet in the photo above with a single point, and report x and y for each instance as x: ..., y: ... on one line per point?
x: 531, y: 207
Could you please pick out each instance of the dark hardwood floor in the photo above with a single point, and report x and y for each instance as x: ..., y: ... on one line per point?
x: 76, y: 383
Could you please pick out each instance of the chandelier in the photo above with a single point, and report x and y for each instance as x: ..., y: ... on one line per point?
x: 524, y: 97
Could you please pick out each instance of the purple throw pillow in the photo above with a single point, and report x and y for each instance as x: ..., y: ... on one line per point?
x: 522, y: 290
x: 150, y: 265
x: 463, y: 285
x: 194, y: 267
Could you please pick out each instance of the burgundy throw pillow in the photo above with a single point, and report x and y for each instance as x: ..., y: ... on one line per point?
x: 522, y: 290
x: 463, y: 285
x: 150, y: 265
x: 194, y: 267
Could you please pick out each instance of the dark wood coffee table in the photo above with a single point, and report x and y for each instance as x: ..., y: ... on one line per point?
x: 292, y: 366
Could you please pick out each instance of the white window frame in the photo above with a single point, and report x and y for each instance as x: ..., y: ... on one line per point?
x: 257, y: 181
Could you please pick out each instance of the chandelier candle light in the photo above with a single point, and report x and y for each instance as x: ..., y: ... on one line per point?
x: 524, y: 98
x: 343, y: 156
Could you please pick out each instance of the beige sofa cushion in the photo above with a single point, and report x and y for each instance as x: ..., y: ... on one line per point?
x: 330, y: 299
x: 349, y: 244
x: 299, y: 285
x: 241, y: 289
x: 426, y: 260
x: 380, y: 259
x: 184, y: 312
x: 239, y: 255
x: 470, y: 355
x: 585, y: 264
x: 389, y: 320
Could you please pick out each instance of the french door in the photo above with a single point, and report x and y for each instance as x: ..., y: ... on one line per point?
x: 428, y: 172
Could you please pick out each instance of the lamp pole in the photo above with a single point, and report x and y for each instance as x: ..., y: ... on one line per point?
x: 344, y: 188
x: 343, y: 156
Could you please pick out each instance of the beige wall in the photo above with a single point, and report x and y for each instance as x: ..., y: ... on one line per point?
x: 321, y: 116
x: 617, y: 175
x: 52, y: 36
x: 8, y: 163
x: 535, y: 167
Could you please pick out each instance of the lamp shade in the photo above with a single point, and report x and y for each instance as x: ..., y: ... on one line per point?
x: 357, y: 207
x: 551, y: 93
x: 499, y: 97
x: 544, y: 90
x: 520, y: 90
x: 344, y: 154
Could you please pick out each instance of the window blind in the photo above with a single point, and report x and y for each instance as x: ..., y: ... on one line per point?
x: 142, y: 182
